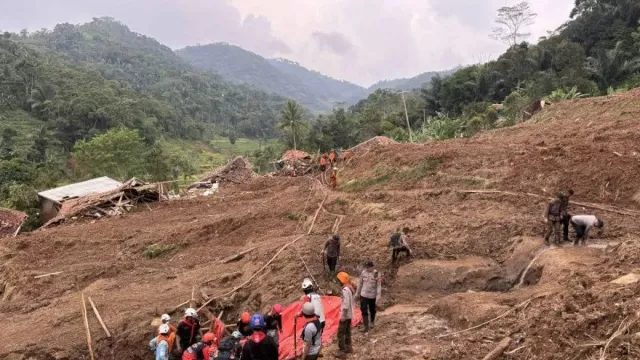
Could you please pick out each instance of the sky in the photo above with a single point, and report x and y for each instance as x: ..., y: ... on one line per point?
x: 362, y: 41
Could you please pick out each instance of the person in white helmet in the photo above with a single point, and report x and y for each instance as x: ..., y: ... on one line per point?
x: 314, y: 298
x: 311, y: 333
x: 166, y: 319
x: 162, y: 344
x: 188, y: 330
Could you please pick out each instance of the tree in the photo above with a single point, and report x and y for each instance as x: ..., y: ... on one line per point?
x: 118, y: 153
x: 292, y: 120
x: 511, y: 21
x: 610, y: 67
x: 7, y: 144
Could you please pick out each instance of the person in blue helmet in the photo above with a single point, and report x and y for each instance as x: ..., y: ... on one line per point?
x: 259, y: 346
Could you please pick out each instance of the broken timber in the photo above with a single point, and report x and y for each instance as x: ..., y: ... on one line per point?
x: 495, y: 353
x: 238, y: 256
x: 95, y: 311
x: 86, y: 326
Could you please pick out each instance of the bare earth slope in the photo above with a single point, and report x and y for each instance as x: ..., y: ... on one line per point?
x: 470, y: 249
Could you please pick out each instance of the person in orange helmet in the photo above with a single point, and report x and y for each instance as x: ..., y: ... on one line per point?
x: 332, y: 157
x: 244, y: 325
x: 323, y: 162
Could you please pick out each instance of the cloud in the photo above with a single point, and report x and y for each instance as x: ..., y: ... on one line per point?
x: 359, y: 40
x: 333, y: 41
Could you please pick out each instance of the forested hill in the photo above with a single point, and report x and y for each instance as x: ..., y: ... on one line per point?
x: 311, y: 88
x: 412, y: 83
x: 196, y: 97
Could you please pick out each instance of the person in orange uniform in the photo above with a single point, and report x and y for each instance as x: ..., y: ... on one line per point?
x: 323, y: 162
x: 332, y: 157
x: 334, y: 178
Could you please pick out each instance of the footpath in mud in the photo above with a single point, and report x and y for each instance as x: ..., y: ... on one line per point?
x: 464, y: 292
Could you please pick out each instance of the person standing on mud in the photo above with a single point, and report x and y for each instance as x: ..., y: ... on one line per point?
x: 162, y: 345
x: 369, y: 291
x: 273, y: 322
x: 553, y: 218
x: 398, y: 244
x: 566, y: 217
x: 333, y: 178
x: 188, y: 330
x: 346, y: 315
x: 332, y: 253
x: 259, y: 346
x: 243, y: 324
x: 311, y: 333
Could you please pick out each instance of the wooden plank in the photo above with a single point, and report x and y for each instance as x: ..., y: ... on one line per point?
x: 49, y: 274
x: 499, y: 349
x: 237, y: 256
x: 95, y: 311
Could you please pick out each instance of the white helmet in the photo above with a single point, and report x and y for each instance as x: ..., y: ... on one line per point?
x: 191, y: 312
x: 163, y: 329
x: 308, y: 309
x: 165, y: 317
x: 307, y: 284
x: 237, y: 334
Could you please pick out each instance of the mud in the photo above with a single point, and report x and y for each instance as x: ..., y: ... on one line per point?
x: 470, y: 249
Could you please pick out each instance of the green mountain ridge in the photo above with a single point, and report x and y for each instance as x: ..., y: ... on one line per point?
x: 412, y: 83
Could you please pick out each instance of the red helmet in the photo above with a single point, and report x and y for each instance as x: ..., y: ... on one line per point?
x: 245, y: 317
x: 208, y: 338
x: 277, y: 308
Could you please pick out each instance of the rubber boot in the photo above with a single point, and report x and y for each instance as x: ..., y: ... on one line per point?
x: 349, y: 349
x: 340, y: 355
x: 365, y: 321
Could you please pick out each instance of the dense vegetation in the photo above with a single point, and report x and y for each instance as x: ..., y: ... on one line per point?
x: 313, y: 90
x: 98, y: 99
x: 595, y: 53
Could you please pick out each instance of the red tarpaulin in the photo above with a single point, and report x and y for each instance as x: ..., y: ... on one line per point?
x: 331, y: 306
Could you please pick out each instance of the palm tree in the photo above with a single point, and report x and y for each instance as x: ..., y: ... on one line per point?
x: 609, y: 67
x: 292, y: 119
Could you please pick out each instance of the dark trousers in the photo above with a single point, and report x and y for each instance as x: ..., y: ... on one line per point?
x: 396, y: 252
x: 332, y: 262
x: 344, y: 334
x: 579, y: 233
x: 553, y: 227
x: 368, y: 306
x: 311, y: 357
x: 565, y: 227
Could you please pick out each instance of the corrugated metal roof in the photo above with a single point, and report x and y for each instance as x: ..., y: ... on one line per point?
x: 89, y: 187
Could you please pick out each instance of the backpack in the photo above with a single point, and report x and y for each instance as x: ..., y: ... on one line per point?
x: 395, y: 239
x: 314, y: 339
x: 225, y: 349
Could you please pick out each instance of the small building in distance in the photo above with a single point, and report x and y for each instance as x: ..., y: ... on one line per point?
x: 51, y: 200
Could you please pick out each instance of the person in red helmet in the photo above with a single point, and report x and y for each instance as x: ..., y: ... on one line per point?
x: 201, y: 349
x: 273, y: 321
x: 244, y: 325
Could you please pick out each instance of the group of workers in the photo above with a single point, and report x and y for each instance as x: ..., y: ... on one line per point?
x: 257, y: 336
x: 330, y: 161
x: 556, y: 216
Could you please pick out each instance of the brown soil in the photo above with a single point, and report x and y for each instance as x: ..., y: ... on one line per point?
x: 470, y: 250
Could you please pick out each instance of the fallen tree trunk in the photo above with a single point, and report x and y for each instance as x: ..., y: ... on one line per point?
x: 237, y: 256
x: 495, y: 353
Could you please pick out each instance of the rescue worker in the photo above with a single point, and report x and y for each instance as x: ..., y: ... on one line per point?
x: 201, y: 349
x: 229, y: 348
x: 244, y: 325
x: 566, y: 217
x: 323, y: 162
x: 582, y: 224
x: 332, y: 253
x: 273, y: 322
x: 311, y: 333
x: 553, y: 218
x: 346, y: 156
x: 333, y: 179
x: 369, y: 291
x: 346, y: 315
x: 188, y: 330
x: 162, y: 345
x: 166, y: 319
x: 259, y: 346
x: 332, y: 158
x: 314, y: 298
x: 398, y: 244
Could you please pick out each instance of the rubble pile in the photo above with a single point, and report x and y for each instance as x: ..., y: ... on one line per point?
x: 294, y: 163
x: 112, y: 203
x: 237, y: 171
x: 10, y: 221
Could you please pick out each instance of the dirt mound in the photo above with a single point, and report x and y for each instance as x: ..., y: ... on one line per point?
x: 237, y: 171
x: 10, y: 220
x: 472, y: 208
x: 370, y: 144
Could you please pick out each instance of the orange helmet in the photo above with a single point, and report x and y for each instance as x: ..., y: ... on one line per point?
x: 208, y: 338
x: 245, y: 317
x: 343, y: 277
x: 277, y: 308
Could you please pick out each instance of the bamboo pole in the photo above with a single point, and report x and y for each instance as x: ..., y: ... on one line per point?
x: 95, y: 311
x: 86, y: 326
